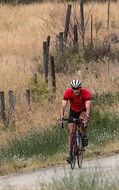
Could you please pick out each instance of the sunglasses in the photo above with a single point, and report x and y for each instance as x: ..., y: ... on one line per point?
x: 76, y: 88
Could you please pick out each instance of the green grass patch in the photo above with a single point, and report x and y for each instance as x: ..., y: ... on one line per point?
x: 104, y: 99
x: 44, y: 143
x: 103, y: 128
x: 51, y: 141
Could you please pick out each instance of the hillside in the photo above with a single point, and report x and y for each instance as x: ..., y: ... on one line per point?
x: 23, y: 29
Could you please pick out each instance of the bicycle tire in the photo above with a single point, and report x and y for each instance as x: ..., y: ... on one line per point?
x: 80, y: 152
x: 73, y: 162
x: 73, y: 153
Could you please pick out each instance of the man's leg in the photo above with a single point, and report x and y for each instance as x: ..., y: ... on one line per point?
x: 84, y: 130
x: 70, y: 135
x: 85, y: 138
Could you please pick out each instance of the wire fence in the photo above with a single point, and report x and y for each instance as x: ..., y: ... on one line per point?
x: 72, y: 36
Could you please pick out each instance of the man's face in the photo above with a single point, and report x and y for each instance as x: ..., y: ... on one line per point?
x: 76, y: 91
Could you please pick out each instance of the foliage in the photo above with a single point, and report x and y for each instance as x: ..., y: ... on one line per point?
x: 104, y: 99
x: 38, y: 88
x: 103, y: 128
x: 14, y: 2
x: 70, y: 59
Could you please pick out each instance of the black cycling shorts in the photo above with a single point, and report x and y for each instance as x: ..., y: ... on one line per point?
x: 74, y: 114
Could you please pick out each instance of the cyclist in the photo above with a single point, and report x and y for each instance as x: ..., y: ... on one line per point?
x: 80, y: 104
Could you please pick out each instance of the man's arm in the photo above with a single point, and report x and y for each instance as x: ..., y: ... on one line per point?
x: 86, y: 117
x: 63, y: 106
x: 88, y: 107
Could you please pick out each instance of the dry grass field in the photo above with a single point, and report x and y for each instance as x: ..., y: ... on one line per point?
x: 22, y: 32
x: 23, y: 29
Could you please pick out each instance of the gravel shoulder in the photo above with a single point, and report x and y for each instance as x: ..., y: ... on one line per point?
x: 39, y: 177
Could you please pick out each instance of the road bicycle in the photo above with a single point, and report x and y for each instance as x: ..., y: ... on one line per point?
x: 76, y: 148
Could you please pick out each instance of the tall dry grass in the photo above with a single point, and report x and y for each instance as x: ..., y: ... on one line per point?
x: 23, y: 29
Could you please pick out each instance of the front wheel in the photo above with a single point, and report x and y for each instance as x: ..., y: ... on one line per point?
x: 80, y: 153
x: 73, y: 161
x: 80, y: 158
x: 73, y: 154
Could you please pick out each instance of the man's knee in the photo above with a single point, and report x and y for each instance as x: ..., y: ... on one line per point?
x: 71, y: 128
x: 82, y: 114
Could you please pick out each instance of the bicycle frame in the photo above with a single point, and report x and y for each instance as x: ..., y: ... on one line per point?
x: 76, y: 148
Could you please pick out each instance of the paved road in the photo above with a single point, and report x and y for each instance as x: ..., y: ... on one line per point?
x: 108, y: 166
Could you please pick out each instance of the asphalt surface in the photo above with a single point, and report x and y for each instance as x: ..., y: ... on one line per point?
x: 108, y: 168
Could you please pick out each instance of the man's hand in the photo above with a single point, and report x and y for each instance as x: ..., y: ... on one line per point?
x: 85, y: 120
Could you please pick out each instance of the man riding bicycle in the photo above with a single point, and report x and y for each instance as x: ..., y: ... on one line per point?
x: 80, y: 104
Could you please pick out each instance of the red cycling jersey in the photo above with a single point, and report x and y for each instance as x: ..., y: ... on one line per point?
x: 77, y: 102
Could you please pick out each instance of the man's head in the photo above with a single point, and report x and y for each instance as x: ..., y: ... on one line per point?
x: 76, y: 86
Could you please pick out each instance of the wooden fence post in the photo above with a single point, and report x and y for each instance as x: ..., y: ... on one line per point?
x: 82, y: 20
x: 45, y: 59
x: 28, y: 97
x: 75, y: 41
x: 48, y: 41
x: 66, y: 30
x: 2, y: 108
x: 11, y: 100
x: 35, y: 78
x: 61, y: 44
x: 57, y: 42
x: 11, y: 106
x: 53, y: 74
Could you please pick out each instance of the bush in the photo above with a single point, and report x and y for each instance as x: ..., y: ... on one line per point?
x: 38, y: 88
x: 14, y: 2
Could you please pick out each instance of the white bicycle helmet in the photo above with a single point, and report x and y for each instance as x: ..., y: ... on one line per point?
x: 75, y: 84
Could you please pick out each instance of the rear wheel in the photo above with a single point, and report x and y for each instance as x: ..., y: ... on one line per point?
x: 80, y: 153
